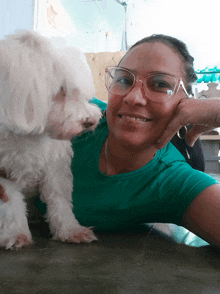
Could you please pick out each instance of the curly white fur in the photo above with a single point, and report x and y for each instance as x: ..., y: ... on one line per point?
x: 44, y: 102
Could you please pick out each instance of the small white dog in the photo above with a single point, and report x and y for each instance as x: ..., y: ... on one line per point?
x: 44, y: 102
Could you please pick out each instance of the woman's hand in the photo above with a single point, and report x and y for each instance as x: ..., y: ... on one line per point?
x: 202, y: 114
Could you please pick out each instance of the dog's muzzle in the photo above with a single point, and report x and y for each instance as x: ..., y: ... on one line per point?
x: 88, y: 123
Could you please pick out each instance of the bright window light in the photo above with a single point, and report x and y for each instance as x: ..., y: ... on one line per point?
x: 101, y: 25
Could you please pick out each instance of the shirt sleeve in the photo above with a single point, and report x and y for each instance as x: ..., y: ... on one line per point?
x: 187, y: 184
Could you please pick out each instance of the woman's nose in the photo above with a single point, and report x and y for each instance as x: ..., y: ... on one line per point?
x: 136, y: 95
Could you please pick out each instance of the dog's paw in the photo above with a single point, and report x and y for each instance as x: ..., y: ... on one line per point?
x: 16, y: 242
x: 78, y: 235
x: 85, y: 235
x: 22, y: 241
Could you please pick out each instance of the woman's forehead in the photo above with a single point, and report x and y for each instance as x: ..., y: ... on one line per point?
x: 154, y: 56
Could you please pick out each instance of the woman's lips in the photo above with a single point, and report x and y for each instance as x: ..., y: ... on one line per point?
x: 134, y: 117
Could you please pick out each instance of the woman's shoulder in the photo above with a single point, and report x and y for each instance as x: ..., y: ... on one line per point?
x: 181, y: 174
x: 170, y: 155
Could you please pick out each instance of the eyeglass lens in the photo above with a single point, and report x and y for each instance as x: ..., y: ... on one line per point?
x: 157, y: 86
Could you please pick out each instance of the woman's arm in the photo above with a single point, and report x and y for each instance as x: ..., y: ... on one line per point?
x: 202, y: 217
x: 202, y: 114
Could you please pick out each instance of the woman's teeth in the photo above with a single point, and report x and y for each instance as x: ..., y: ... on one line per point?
x: 135, y: 118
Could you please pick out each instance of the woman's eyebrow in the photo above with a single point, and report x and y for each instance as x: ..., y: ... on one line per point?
x: 135, y: 72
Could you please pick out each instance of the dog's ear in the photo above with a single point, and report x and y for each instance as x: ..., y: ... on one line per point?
x: 78, y: 75
x: 21, y: 111
x: 27, y: 83
x: 31, y: 39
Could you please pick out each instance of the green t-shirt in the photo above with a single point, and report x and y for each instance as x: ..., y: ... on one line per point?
x: 158, y: 192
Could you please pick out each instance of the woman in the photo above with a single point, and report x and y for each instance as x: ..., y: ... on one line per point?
x: 121, y: 178
x: 125, y: 173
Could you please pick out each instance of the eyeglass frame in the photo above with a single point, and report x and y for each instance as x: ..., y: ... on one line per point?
x: 179, y: 81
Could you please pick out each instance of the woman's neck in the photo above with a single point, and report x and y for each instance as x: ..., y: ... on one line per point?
x: 118, y: 158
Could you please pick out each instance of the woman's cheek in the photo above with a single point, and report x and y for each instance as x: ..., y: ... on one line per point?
x: 169, y: 108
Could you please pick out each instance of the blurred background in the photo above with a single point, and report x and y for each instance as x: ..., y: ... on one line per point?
x: 114, y: 25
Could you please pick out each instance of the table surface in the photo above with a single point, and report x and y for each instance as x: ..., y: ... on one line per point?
x: 210, y: 137
x: 117, y: 263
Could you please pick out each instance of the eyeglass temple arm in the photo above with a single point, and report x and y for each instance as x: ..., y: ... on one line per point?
x: 108, y: 72
x: 182, y: 84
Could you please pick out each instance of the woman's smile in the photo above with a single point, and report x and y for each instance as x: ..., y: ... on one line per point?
x: 134, y: 117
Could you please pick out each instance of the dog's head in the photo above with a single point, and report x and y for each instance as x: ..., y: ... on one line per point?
x: 43, y: 89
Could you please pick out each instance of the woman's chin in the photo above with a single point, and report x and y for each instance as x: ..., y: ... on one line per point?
x: 135, y: 140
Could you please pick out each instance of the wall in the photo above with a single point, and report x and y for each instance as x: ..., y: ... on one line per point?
x: 98, y: 63
x: 14, y: 15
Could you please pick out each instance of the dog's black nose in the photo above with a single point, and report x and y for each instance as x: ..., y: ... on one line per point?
x: 88, y: 124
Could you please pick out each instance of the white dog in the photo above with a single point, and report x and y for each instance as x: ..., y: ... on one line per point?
x: 44, y: 102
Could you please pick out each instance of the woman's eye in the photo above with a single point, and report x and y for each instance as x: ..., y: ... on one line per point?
x: 161, y: 84
x: 123, y: 81
x: 157, y: 85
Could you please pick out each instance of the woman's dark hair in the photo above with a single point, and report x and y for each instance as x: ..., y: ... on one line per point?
x: 181, y: 48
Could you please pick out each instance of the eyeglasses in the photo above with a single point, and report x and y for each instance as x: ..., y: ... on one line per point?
x: 158, y: 87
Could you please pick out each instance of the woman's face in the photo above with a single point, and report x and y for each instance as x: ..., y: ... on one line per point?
x: 134, y: 119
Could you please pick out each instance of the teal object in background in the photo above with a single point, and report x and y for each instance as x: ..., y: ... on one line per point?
x: 183, y: 236
x: 178, y: 234
x: 209, y: 75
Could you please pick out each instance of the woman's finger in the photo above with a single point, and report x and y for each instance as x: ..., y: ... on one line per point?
x: 204, y: 113
x: 168, y: 134
x: 195, y: 132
